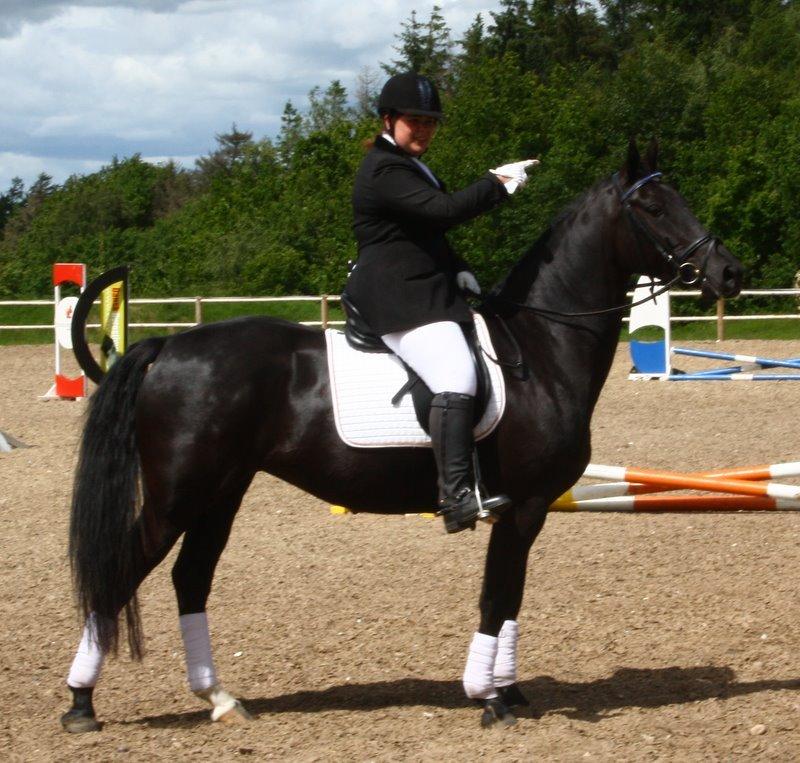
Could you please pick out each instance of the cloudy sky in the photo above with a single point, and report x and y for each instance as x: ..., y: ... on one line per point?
x: 85, y: 80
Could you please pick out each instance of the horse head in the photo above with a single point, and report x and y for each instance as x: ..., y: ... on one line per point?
x: 662, y: 236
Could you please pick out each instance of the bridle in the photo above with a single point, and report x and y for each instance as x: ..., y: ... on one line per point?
x: 687, y: 273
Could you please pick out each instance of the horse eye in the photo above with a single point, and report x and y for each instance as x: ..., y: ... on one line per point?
x: 654, y: 209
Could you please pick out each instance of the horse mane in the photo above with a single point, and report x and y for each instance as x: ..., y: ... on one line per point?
x: 518, y: 281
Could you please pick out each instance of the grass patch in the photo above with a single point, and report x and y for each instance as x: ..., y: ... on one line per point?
x: 787, y: 329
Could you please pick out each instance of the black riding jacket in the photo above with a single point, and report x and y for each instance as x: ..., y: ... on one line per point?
x: 405, y: 273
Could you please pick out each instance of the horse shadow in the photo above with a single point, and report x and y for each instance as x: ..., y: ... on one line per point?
x: 590, y: 701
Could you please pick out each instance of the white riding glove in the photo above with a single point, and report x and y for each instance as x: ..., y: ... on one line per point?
x: 467, y: 282
x: 515, y: 171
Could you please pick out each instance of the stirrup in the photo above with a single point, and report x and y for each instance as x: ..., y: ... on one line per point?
x: 492, y: 508
x: 489, y: 509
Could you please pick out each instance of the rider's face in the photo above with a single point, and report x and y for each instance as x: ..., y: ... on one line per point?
x: 412, y: 133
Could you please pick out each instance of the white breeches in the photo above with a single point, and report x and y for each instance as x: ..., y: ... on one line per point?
x: 438, y: 352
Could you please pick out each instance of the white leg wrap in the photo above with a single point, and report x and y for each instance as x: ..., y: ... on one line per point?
x: 88, y: 662
x: 505, y: 665
x: 197, y: 646
x: 479, y: 671
x: 221, y: 701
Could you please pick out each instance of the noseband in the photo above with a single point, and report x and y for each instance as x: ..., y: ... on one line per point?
x: 686, y: 272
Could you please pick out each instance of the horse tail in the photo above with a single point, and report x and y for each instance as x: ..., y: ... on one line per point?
x: 105, y: 502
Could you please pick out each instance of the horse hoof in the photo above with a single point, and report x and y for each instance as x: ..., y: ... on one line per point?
x: 79, y: 723
x: 512, y: 696
x: 236, y: 716
x: 496, y: 711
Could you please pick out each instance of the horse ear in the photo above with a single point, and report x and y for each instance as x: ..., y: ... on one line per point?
x: 652, y: 155
x: 633, y: 164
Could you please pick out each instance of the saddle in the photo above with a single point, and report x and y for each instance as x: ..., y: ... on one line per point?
x: 360, y: 337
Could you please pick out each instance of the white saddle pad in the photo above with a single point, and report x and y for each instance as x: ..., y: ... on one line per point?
x: 364, y: 383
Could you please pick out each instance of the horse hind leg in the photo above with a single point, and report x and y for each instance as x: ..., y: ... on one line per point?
x: 88, y: 663
x: 192, y: 577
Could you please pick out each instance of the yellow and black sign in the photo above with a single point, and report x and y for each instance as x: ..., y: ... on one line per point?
x: 112, y: 289
x: 113, y: 323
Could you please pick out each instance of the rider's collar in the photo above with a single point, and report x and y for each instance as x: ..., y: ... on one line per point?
x: 422, y: 166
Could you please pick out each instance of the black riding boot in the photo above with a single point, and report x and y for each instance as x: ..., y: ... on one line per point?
x: 451, y: 437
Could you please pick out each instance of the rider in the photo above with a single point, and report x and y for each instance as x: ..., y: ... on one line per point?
x: 407, y: 282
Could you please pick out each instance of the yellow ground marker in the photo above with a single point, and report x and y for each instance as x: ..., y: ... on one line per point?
x: 339, y: 511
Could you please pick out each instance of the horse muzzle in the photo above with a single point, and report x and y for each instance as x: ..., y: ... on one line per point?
x: 722, y: 273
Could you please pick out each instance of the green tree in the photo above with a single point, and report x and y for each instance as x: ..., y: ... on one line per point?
x: 11, y: 200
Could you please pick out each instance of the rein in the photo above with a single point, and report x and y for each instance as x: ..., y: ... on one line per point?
x: 488, y: 300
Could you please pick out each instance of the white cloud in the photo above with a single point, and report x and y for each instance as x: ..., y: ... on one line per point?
x: 29, y: 167
x: 85, y: 80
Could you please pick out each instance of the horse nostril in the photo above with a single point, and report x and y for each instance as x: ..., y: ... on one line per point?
x: 731, y: 280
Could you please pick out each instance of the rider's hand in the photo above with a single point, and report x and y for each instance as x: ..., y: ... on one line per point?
x: 513, y: 175
x: 467, y: 282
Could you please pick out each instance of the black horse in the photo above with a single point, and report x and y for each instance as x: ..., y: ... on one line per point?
x: 188, y: 420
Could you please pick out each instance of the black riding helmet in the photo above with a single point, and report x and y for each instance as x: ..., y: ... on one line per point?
x: 410, y: 93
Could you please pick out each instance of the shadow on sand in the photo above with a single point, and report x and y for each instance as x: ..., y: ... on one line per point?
x: 588, y: 701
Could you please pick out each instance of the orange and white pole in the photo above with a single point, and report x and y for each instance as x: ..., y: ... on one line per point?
x: 679, y: 480
x: 610, y: 489
x: 677, y: 503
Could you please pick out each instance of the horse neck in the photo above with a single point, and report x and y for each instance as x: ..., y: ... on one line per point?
x: 572, y: 268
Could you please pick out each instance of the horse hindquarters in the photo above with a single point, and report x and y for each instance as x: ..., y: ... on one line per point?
x: 112, y: 549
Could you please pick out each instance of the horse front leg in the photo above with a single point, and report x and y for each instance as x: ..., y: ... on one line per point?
x: 490, y: 675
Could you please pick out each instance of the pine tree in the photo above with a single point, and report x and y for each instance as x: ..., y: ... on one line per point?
x: 232, y: 149
x: 625, y: 20
x: 327, y: 109
x: 473, y: 42
x: 425, y: 48
x: 291, y: 132
x: 367, y: 90
x: 42, y: 187
x: 511, y: 30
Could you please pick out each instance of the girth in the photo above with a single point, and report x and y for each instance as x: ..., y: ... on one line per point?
x: 361, y: 337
